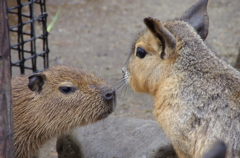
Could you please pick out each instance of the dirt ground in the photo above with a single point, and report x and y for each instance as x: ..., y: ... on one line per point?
x: 97, y: 35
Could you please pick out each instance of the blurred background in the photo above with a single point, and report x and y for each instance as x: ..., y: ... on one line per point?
x: 97, y: 35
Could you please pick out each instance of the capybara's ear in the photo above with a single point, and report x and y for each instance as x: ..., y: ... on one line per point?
x: 163, y: 34
x: 197, y: 17
x: 36, y: 82
x: 218, y: 150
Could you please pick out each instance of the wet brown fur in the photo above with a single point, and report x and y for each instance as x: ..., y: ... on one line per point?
x: 41, y: 115
x: 196, y: 95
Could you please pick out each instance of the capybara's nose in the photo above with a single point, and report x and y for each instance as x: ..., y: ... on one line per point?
x: 108, y: 95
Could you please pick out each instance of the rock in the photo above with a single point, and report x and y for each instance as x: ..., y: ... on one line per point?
x: 116, y: 137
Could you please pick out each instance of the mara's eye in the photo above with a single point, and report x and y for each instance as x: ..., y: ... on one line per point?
x: 67, y: 90
x: 141, y: 53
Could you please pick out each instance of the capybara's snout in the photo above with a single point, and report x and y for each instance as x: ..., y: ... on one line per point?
x: 109, y: 96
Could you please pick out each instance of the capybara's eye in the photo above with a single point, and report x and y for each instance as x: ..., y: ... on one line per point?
x: 141, y: 53
x: 67, y: 90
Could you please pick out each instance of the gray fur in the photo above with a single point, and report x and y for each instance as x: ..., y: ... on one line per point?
x: 210, y: 90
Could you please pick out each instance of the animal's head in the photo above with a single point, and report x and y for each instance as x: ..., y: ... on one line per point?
x: 71, y: 94
x: 158, y: 47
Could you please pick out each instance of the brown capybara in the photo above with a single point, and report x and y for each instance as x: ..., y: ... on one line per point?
x: 51, y: 103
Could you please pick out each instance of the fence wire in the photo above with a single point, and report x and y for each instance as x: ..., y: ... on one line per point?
x: 28, y: 35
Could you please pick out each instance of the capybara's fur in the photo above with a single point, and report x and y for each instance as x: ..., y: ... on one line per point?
x: 196, y: 95
x: 53, y: 102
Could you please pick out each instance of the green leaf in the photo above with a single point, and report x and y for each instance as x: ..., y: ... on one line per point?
x: 55, y: 18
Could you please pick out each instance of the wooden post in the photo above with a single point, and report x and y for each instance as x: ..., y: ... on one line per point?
x: 6, y: 119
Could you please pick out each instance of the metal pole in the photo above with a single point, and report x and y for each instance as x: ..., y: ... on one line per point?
x: 6, y: 119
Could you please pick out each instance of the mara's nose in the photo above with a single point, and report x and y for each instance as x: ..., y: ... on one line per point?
x: 124, y: 69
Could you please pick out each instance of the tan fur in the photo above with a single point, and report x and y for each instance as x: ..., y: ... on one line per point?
x: 39, y: 116
x: 196, y: 95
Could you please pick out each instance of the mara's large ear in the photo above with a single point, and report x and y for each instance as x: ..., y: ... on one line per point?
x: 36, y: 81
x: 162, y: 33
x: 197, y: 17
